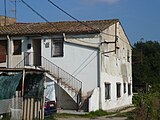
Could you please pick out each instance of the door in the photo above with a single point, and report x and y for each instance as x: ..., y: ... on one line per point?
x: 3, y: 52
x: 37, y: 52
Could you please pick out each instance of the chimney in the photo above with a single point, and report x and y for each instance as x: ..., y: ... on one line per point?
x: 6, y: 20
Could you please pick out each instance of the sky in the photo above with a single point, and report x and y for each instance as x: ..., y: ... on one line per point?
x: 139, y: 18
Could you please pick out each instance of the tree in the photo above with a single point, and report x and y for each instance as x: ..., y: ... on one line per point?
x: 146, y: 62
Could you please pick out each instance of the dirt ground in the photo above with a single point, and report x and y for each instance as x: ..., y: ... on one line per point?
x: 99, y: 118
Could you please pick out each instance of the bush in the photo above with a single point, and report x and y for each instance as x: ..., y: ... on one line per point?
x: 148, y: 106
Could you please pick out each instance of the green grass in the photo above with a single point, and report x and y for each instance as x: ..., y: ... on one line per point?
x: 95, y: 114
x: 92, y: 115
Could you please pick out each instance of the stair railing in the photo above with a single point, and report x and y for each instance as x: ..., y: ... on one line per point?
x: 61, y: 75
x: 22, y: 63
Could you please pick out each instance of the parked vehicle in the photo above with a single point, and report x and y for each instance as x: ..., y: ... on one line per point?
x: 50, y: 107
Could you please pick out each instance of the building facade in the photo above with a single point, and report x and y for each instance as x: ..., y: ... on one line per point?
x: 91, y: 61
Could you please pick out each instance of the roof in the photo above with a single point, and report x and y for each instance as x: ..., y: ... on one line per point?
x: 70, y: 27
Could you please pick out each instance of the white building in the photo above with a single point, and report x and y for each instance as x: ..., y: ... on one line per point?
x: 91, y: 60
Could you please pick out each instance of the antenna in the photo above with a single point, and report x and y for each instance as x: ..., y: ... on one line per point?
x: 15, y: 8
x: 5, y: 12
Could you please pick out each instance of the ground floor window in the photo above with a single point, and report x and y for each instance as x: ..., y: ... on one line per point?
x: 107, y: 91
x: 124, y: 87
x: 118, y: 85
x: 129, y: 89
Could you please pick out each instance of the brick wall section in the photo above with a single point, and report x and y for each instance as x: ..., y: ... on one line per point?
x: 9, y: 20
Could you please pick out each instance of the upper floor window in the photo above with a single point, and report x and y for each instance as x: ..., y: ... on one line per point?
x: 118, y: 90
x: 107, y: 91
x: 17, y: 47
x: 57, y: 47
x: 128, y: 56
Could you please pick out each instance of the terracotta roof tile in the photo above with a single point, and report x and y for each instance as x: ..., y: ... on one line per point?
x: 56, y: 27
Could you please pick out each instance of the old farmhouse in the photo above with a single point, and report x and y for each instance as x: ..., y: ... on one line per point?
x: 89, y: 61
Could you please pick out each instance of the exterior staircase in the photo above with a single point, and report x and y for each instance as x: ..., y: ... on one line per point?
x: 66, y: 81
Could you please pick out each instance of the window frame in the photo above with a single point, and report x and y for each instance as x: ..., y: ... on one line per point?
x: 118, y: 90
x: 107, y: 91
x: 129, y: 88
x: 128, y: 56
x: 124, y: 88
x: 17, y: 47
x: 57, y: 43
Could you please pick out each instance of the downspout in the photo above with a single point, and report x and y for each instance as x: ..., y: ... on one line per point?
x: 99, y: 73
x: 8, y: 52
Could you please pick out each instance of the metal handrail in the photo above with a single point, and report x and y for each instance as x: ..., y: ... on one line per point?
x: 62, y: 75
x: 22, y: 62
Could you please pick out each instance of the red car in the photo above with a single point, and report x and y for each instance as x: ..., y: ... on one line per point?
x: 50, y: 107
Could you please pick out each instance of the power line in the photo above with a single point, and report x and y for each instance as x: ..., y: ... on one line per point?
x: 81, y: 21
x: 66, y: 14
x: 57, y: 28
x: 83, y: 63
x: 86, y: 65
x: 38, y: 14
x: 76, y: 18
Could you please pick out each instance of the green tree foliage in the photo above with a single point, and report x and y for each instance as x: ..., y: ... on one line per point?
x: 146, y: 62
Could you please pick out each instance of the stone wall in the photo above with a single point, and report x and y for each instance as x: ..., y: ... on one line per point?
x: 8, y: 21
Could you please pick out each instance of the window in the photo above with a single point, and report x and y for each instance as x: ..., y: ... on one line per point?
x: 128, y: 57
x: 129, y: 89
x: 3, y: 50
x: 118, y: 90
x: 107, y: 91
x: 17, y: 47
x: 57, y: 47
x: 124, y: 87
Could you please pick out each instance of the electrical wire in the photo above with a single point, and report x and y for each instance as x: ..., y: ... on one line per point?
x: 72, y: 36
x: 57, y: 29
x: 39, y: 14
x: 77, y: 19
x: 50, y: 22
x: 82, y: 22
x: 66, y: 14
x: 83, y: 62
x: 86, y: 65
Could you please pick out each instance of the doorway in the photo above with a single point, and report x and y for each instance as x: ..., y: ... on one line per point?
x: 36, y: 52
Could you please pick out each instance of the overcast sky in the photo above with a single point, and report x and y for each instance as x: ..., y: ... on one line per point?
x: 140, y: 18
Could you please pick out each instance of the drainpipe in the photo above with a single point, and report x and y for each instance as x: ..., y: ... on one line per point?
x: 9, y: 52
x: 99, y: 74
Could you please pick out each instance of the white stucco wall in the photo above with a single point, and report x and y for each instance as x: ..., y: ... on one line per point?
x: 94, y: 100
x: 74, y: 56
x: 115, y: 68
x: 25, y: 42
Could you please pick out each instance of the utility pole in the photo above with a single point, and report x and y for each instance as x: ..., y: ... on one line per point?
x: 5, y: 12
